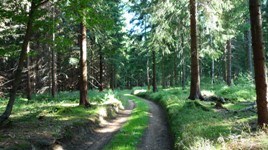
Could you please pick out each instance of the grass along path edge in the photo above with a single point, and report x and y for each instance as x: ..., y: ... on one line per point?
x: 130, y: 135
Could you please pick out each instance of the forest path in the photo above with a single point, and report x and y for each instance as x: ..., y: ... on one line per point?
x: 157, y: 135
x: 97, y: 139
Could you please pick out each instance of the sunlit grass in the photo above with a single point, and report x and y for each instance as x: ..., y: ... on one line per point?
x: 198, y: 125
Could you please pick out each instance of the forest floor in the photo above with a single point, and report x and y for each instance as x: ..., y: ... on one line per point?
x: 59, y: 123
x: 97, y: 138
x: 156, y: 135
x: 64, y: 125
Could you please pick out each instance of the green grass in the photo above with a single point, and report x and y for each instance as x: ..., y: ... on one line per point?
x: 197, y: 125
x: 131, y: 133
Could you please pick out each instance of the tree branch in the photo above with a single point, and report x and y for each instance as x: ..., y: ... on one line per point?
x: 41, y: 3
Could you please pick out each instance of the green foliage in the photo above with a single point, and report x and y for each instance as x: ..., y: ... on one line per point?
x: 237, y: 93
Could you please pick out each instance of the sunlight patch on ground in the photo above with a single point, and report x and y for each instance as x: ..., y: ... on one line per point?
x: 114, y: 125
x: 208, y: 93
x: 69, y: 104
x: 138, y: 91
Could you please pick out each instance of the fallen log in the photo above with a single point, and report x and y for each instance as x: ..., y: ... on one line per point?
x: 249, y: 108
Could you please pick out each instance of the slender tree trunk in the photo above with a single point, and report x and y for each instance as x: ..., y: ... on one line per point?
x: 224, y: 64
x: 49, y: 67
x: 212, y: 71
x: 148, y: 73
x: 34, y: 60
x: 54, y: 60
x: 29, y: 72
x: 91, y: 70
x: 101, y: 71
x: 83, y: 66
x: 148, y: 61
x: 112, y: 86
x: 249, y: 46
x: 183, y: 80
x: 54, y: 73
x: 18, y: 72
x: 183, y: 63
x: 195, y: 92
x: 37, y: 75
x: 229, y: 63
x: 212, y: 64
x: 175, y: 69
x: 259, y: 62
x: 163, y: 73
x: 115, y: 79
x: 154, y: 73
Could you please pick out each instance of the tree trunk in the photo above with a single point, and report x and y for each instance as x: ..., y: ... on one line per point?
x: 183, y: 63
x: 54, y: 73
x: 112, y: 77
x: 224, y: 64
x: 212, y: 71
x: 18, y: 72
x: 91, y: 70
x: 154, y: 73
x: 229, y: 63
x: 195, y: 92
x: 83, y: 66
x: 175, y: 70
x: 101, y: 71
x: 163, y: 73
x: 54, y: 60
x: 148, y: 72
x: 29, y: 83
x: 250, y: 64
x: 259, y: 62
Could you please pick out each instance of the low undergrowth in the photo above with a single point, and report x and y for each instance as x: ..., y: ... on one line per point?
x: 198, y: 125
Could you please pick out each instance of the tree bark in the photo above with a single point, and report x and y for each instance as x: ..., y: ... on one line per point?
x: 224, y: 64
x: 229, y: 63
x: 195, y: 92
x: 112, y: 77
x: 154, y: 73
x: 54, y: 59
x: 29, y: 83
x: 259, y: 62
x: 54, y: 72
x: 83, y: 66
x: 163, y: 73
x: 183, y: 63
x: 148, y: 73
x: 91, y: 70
x: 175, y: 73
x: 101, y: 71
x: 249, y: 47
x: 212, y: 71
x: 23, y: 56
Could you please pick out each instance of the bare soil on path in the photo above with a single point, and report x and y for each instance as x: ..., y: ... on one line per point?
x: 97, y: 138
x: 157, y: 135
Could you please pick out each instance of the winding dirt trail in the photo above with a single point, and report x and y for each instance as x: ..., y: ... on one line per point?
x: 157, y: 135
x: 99, y: 137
